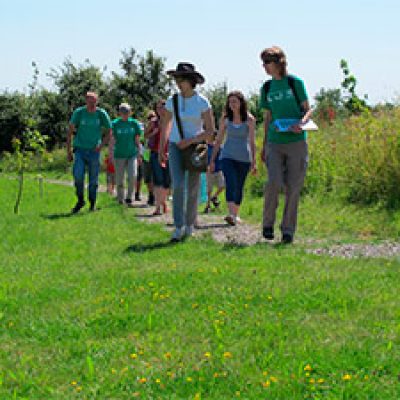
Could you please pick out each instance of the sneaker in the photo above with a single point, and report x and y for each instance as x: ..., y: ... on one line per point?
x: 287, y: 238
x: 189, y: 230
x: 80, y: 204
x: 268, y: 232
x: 93, y: 206
x: 137, y: 197
x: 231, y: 220
x: 207, y: 210
x: 238, y: 220
x: 177, y: 235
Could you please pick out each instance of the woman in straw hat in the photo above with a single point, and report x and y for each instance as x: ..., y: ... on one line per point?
x: 197, y: 122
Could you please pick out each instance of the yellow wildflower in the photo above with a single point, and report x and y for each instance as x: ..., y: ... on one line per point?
x: 237, y: 393
x: 266, y: 384
x: 228, y: 354
x: 78, y: 388
x: 216, y: 374
x: 74, y: 383
x: 320, y: 380
x: 142, y: 380
x: 346, y: 377
x: 158, y: 380
x: 113, y: 371
x: 273, y: 379
x: 265, y: 373
x: 167, y: 355
x: 189, y: 379
x: 312, y: 381
x: 207, y: 354
x: 133, y: 356
x: 308, y: 367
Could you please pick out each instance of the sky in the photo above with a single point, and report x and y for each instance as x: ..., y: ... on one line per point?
x: 222, y: 38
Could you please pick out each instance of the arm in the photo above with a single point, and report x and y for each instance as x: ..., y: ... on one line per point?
x: 218, y: 142
x: 252, y: 138
x: 166, y: 125
x: 305, y: 105
x: 267, y: 121
x: 150, y: 130
x: 70, y: 134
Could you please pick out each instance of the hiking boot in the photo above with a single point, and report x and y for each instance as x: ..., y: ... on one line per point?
x: 80, y: 204
x: 92, y: 206
x: 268, y: 232
x: 207, y: 209
x: 287, y: 238
x: 128, y: 202
x: 150, y: 200
x: 137, y: 197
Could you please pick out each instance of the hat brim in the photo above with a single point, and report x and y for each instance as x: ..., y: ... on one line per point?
x: 198, y: 77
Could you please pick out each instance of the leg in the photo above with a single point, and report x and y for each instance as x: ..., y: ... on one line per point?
x: 93, y: 167
x: 119, y: 174
x: 178, y: 180
x: 132, y: 172
x: 275, y: 166
x: 78, y: 172
x: 230, y: 180
x: 297, y: 160
x: 192, y: 198
x: 242, y: 169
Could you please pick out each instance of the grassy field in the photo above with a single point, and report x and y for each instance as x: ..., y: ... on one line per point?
x: 101, y: 306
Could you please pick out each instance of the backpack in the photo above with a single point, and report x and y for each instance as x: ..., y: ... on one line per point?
x: 267, y: 86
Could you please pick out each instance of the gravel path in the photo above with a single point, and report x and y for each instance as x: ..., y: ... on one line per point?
x: 245, y: 234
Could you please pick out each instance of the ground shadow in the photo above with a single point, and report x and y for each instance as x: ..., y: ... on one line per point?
x: 212, y: 226
x: 60, y: 215
x: 140, y: 248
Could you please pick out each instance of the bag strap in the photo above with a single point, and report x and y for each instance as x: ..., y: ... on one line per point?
x: 177, y: 116
x: 291, y: 83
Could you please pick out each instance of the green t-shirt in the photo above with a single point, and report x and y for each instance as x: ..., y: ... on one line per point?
x: 283, y: 105
x: 124, y: 133
x: 88, y: 127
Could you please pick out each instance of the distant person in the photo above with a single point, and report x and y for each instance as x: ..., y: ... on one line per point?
x: 238, y: 155
x: 144, y: 173
x: 110, y: 174
x: 197, y: 125
x: 126, y: 133
x: 161, y: 176
x: 214, y: 179
x: 285, y: 153
x: 86, y: 124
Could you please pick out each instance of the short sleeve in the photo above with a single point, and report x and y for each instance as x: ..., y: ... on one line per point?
x: 75, y: 118
x: 300, y: 90
x: 105, y: 119
x: 138, y: 129
x: 168, y: 105
x: 204, y: 104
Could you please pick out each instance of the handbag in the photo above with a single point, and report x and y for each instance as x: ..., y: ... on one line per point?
x: 194, y: 157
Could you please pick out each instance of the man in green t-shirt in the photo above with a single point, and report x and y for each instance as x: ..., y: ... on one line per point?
x: 285, y: 153
x: 86, y: 125
x: 126, y: 133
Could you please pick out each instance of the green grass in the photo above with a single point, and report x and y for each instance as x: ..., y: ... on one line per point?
x: 99, y: 306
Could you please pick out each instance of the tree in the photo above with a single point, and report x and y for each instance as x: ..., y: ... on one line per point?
x: 353, y: 103
x: 329, y: 104
x: 217, y: 95
x: 141, y: 83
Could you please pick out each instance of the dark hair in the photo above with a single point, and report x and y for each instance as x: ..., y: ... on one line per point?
x: 277, y: 56
x: 155, y: 107
x: 243, y: 106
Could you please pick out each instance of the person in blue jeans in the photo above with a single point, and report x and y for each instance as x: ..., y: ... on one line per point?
x: 197, y: 124
x: 86, y: 125
x: 238, y: 155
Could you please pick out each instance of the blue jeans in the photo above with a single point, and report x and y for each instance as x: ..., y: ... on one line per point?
x: 183, y: 216
x: 235, y: 173
x: 90, y: 160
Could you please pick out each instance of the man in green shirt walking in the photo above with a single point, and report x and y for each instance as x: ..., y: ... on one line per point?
x: 86, y: 125
x: 126, y: 132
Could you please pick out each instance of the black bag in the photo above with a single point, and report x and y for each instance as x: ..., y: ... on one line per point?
x: 194, y: 157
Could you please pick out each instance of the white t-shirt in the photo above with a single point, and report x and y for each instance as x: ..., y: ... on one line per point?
x: 190, y: 110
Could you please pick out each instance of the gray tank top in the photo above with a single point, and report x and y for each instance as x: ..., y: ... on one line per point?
x: 237, y: 144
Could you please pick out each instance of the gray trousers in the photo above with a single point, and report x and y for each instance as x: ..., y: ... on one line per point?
x: 183, y: 182
x: 130, y: 165
x: 287, y: 166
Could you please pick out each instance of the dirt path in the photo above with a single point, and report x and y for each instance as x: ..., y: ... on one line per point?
x: 246, y: 234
